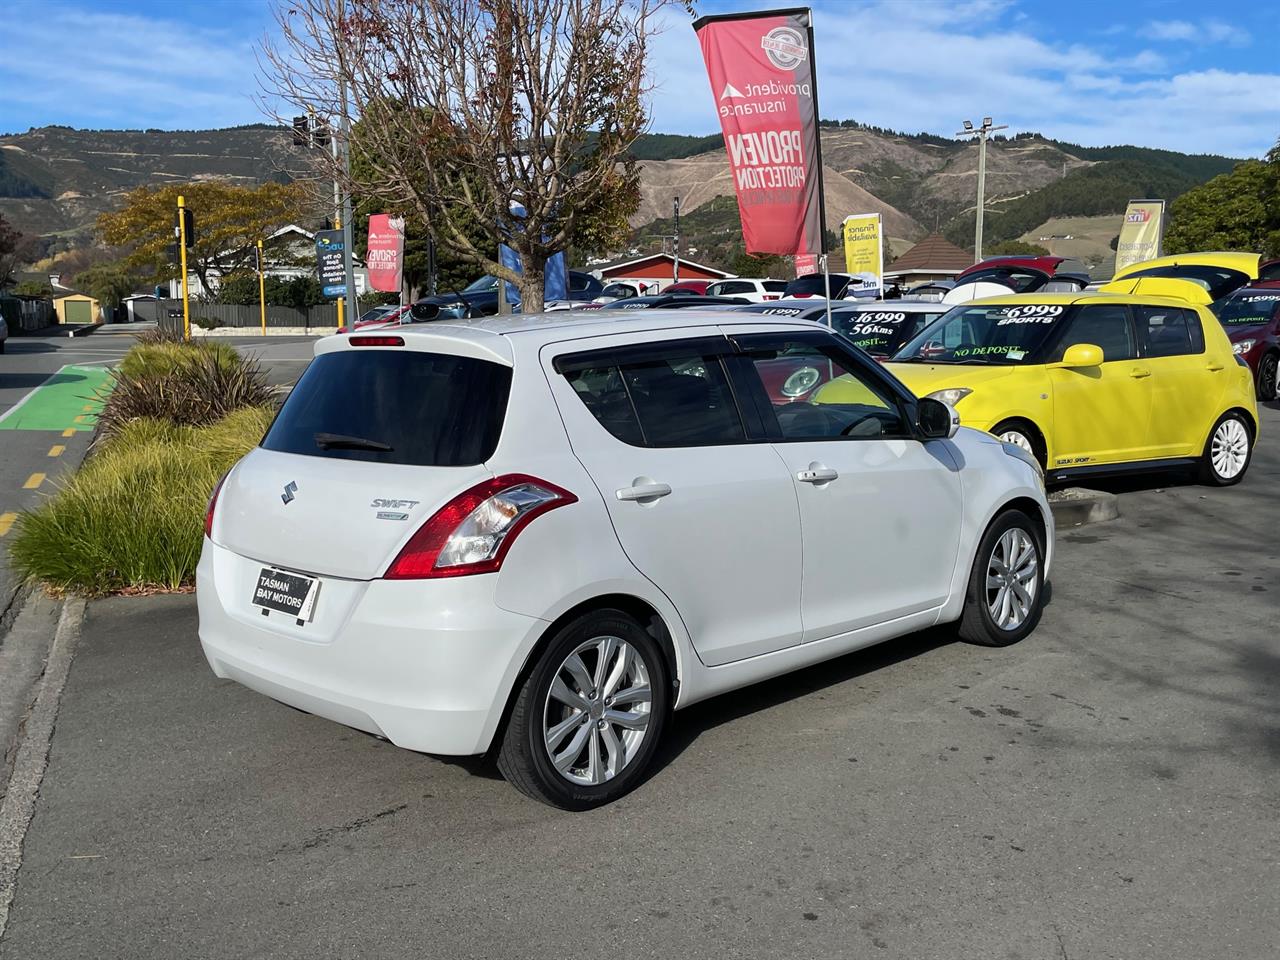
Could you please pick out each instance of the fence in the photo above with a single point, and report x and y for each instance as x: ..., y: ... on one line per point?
x: 27, y: 313
x: 168, y: 315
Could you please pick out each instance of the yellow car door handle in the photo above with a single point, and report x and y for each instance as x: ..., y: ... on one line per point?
x: 1139, y: 372
x: 1214, y: 366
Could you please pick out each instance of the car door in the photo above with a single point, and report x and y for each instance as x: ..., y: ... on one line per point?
x: 1186, y: 382
x: 880, y: 511
x: 707, y: 514
x: 1101, y: 414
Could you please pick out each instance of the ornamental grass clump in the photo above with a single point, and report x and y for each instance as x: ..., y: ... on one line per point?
x: 182, y: 383
x: 133, y: 516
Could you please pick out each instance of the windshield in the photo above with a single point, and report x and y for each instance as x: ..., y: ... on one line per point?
x: 882, y: 332
x: 1248, y: 308
x: 483, y: 285
x: 997, y: 334
x: 1219, y: 281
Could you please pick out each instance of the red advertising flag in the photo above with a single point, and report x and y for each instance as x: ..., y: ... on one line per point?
x: 806, y: 263
x: 763, y: 79
x: 386, y: 252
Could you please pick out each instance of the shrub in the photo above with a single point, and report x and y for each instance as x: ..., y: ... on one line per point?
x: 204, y: 323
x: 159, y: 334
x: 183, y: 384
x: 133, y: 516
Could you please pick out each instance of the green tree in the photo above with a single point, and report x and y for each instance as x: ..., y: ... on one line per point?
x: 108, y: 283
x: 1239, y: 210
x: 229, y: 222
x: 763, y: 265
x: 299, y: 292
x: 33, y: 288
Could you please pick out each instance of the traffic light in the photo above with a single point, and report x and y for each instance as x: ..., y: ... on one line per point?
x: 301, y: 132
x: 320, y: 133
x: 188, y: 226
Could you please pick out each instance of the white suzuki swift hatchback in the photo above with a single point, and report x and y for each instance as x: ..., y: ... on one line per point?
x: 541, y: 535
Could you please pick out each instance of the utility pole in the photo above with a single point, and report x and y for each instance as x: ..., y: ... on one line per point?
x: 981, y: 133
x: 262, y: 290
x: 185, y: 229
x: 675, y: 264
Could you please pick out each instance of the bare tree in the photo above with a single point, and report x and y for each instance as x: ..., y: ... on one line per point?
x: 471, y: 109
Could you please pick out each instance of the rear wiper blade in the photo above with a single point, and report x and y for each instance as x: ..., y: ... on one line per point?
x: 338, y: 441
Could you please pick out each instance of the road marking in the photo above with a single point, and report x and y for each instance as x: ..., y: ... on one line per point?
x: 33, y: 481
x: 6, y: 521
x: 69, y: 432
x: 56, y: 450
x: 87, y: 408
x: 55, y: 403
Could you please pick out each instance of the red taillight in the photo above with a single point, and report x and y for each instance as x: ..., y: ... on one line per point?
x: 368, y: 341
x: 213, y: 502
x: 772, y: 296
x: 473, y: 532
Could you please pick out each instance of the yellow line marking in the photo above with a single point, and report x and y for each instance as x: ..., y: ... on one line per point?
x: 56, y: 450
x: 33, y: 481
x: 79, y: 419
x: 6, y: 521
x: 87, y: 408
x: 69, y: 432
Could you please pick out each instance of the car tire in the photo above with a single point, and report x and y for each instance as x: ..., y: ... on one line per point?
x: 579, y: 764
x: 1266, y: 384
x: 994, y: 612
x: 1021, y: 434
x: 1228, y: 451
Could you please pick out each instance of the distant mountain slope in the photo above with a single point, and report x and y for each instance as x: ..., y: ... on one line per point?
x: 56, y: 180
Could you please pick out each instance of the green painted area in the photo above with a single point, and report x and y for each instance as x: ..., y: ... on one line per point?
x: 60, y: 402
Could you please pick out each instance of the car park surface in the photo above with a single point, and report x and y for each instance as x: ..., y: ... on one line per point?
x: 1104, y: 789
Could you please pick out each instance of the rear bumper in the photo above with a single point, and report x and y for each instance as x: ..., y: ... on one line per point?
x: 426, y: 664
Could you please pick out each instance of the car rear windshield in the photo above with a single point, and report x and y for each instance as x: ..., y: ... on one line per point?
x: 1003, y: 334
x: 1248, y: 308
x: 394, y: 406
x: 814, y: 285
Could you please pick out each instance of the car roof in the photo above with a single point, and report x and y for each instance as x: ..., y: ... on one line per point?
x: 1078, y: 297
x: 1229, y: 260
x: 1043, y: 264
x: 488, y: 338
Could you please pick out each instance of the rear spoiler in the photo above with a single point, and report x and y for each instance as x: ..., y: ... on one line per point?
x: 1173, y: 287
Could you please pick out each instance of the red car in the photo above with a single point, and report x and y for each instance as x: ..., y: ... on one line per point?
x: 1251, y: 317
x: 698, y: 287
x: 1025, y: 275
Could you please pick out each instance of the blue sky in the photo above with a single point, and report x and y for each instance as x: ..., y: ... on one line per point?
x: 1181, y: 74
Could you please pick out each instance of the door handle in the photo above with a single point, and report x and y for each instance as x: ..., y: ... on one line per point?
x: 644, y: 491
x: 1214, y: 366
x: 1139, y: 372
x: 817, y: 474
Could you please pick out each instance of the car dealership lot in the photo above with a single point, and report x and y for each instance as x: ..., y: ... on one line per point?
x: 1106, y: 788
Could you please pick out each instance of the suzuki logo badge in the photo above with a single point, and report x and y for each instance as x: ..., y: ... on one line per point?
x: 290, y: 489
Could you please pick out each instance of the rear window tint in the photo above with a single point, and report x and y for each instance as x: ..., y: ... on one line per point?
x: 432, y: 410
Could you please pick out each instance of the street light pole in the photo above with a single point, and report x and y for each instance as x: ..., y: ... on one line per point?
x: 981, y: 133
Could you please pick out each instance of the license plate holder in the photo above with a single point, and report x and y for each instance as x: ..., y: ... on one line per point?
x: 285, y: 592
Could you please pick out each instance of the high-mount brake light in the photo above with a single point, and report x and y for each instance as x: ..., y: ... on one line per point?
x: 213, y: 502
x: 377, y: 341
x: 473, y: 532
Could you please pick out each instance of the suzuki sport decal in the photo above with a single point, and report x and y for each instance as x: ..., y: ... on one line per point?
x: 762, y: 75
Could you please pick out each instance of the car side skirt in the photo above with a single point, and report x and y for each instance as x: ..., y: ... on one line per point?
x: 1115, y: 469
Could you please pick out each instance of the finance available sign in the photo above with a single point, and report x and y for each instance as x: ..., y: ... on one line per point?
x: 864, y: 253
x: 762, y: 75
x: 330, y: 267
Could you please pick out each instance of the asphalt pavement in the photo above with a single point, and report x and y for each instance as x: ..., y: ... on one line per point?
x: 1109, y: 788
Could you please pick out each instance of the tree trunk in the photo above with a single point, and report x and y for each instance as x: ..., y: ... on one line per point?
x: 532, y: 283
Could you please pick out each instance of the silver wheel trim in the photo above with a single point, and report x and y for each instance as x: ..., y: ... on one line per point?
x: 597, y: 711
x: 1018, y: 439
x: 1011, y: 579
x: 1230, y: 448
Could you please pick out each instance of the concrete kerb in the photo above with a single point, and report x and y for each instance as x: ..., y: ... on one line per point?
x: 84, y: 331
x: 19, y: 802
x: 1076, y: 506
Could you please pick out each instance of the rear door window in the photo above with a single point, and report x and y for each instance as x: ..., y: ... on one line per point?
x: 1105, y: 326
x: 394, y: 406
x: 664, y: 397
x: 1169, y: 331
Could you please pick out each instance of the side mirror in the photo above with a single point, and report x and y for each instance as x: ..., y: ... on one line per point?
x: 936, y: 420
x: 424, y: 312
x: 1082, y: 355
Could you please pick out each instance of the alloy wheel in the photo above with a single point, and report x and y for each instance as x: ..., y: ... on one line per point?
x: 597, y: 711
x: 1267, y: 378
x: 1230, y: 449
x: 1011, y: 579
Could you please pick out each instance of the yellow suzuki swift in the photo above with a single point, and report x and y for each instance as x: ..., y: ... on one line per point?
x: 1096, y: 382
